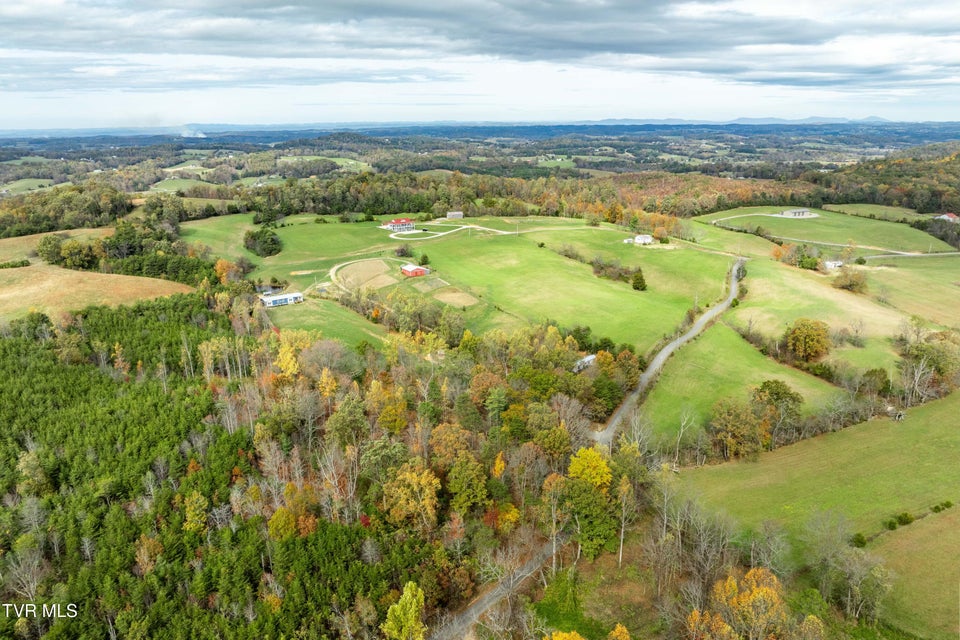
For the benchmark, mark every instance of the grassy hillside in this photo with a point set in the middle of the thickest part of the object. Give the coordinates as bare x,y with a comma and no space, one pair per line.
330,319
779,294
899,282
733,367
41,287
832,228
867,473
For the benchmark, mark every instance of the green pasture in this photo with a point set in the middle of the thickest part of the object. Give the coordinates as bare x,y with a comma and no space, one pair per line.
330,319
720,365
926,591
878,211
717,239
926,286
514,276
188,165
557,162
778,294
266,181
348,164
832,228
224,235
179,184
696,275
866,473
28,160
27,184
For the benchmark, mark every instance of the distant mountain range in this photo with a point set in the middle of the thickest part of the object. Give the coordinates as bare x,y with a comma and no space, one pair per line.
200,130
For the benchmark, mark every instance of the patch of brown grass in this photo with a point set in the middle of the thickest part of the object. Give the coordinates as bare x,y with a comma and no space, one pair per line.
49,289
22,247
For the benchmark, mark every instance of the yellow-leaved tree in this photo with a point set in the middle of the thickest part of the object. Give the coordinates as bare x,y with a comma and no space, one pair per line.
591,465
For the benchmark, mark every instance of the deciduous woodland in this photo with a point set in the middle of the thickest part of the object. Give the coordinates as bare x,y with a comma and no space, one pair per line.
195,467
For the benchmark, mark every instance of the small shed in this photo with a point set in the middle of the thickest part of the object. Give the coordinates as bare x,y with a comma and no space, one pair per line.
281,299
832,264
454,215
644,238
949,217
413,270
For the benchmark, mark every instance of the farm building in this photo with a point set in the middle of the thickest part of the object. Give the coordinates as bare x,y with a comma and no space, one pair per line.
832,264
401,224
949,217
454,215
644,238
797,213
413,270
281,299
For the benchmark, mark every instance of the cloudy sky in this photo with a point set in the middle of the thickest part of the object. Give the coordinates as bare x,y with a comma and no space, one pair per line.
83,63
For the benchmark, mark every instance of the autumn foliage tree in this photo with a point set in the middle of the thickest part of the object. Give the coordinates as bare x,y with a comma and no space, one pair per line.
749,608
808,339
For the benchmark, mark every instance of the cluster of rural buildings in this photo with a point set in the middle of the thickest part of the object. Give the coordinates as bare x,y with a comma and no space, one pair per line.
643,238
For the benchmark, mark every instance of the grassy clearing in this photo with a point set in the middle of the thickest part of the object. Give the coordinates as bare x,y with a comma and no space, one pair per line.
926,594
260,181
561,163
879,211
718,365
28,159
330,319
25,246
27,184
49,289
348,164
497,270
517,279
179,184
224,235
188,165
779,294
741,244
867,473
831,227
899,280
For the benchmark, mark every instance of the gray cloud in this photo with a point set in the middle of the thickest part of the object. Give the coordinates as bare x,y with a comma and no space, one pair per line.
87,44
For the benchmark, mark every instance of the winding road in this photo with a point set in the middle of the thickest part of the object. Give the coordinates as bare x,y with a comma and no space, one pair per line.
459,625
605,437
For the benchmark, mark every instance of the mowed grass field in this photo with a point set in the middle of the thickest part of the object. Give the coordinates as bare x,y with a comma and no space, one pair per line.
349,164
832,228
27,184
879,211
178,184
867,473
925,600
717,239
720,365
51,290
514,281
513,275
330,319
928,287
778,295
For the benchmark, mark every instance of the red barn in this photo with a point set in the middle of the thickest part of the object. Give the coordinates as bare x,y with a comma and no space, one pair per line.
412,270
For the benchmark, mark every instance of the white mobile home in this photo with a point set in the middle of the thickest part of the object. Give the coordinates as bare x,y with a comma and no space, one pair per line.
281,299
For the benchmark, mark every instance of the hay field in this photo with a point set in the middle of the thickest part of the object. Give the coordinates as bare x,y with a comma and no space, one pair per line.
51,290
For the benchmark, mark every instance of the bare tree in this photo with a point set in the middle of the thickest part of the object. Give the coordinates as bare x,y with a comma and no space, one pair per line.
25,573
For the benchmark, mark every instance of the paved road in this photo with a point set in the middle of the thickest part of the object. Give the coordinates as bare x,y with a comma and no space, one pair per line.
605,437
458,626
913,255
